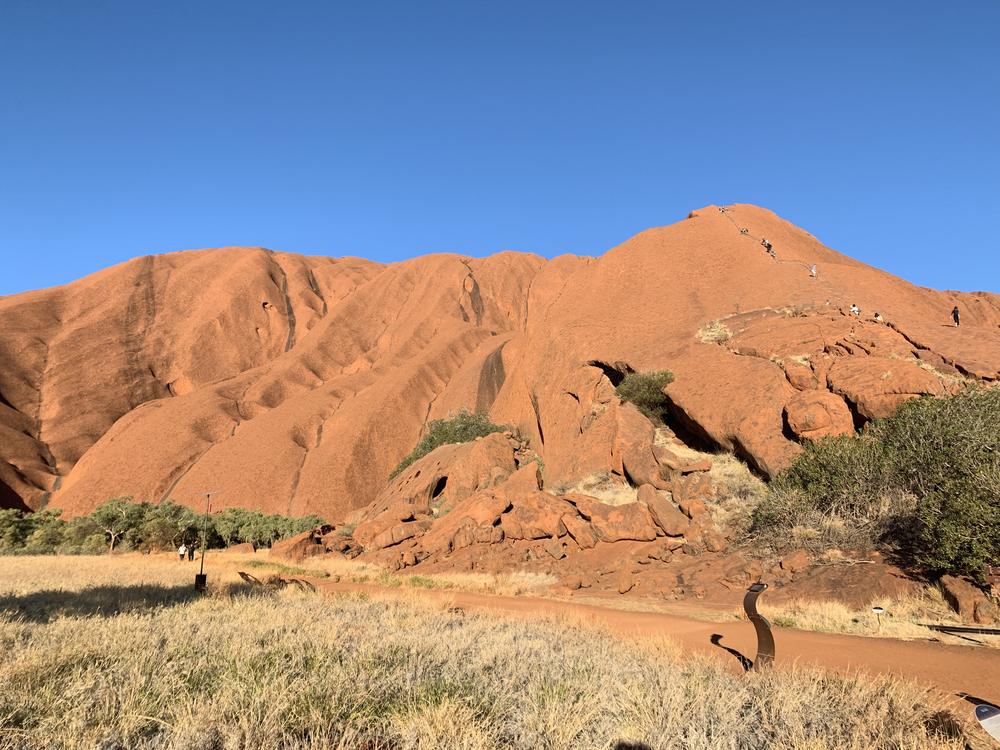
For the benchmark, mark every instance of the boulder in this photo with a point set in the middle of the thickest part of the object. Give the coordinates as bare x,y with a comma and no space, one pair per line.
813,415
667,458
704,464
476,517
663,511
367,530
535,515
693,508
526,479
877,386
800,376
614,523
625,581
399,533
299,547
634,446
968,601
581,530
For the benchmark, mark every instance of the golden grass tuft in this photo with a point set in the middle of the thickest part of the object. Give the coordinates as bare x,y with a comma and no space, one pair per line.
239,669
715,332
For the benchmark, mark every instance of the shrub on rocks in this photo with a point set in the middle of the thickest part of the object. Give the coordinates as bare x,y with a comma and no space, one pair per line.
924,482
645,390
460,428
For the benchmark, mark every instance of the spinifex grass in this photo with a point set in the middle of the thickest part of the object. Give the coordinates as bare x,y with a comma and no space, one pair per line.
292,670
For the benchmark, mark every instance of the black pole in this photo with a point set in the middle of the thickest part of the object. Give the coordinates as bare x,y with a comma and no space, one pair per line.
201,580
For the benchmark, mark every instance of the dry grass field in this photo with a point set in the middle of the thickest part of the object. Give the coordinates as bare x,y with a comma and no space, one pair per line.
117,652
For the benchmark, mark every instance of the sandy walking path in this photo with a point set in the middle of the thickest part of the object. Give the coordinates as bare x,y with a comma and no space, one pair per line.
952,669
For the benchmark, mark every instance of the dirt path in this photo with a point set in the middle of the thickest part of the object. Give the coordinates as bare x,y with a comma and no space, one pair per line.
953,669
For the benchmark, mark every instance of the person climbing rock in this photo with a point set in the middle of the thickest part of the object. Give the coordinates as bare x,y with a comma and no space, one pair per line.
878,318
955,316
812,270
767,246
855,310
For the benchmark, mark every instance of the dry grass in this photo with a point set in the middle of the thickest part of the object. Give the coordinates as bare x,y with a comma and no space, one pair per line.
903,618
291,670
738,492
715,332
600,486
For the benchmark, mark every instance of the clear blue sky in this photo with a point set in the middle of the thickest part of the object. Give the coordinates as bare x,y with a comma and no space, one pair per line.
387,130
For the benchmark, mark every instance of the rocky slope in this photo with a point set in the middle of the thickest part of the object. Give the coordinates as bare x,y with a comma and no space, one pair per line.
295,384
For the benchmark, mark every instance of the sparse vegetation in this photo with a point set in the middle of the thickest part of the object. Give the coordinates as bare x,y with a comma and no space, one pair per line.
903,617
123,524
715,332
141,662
924,483
645,390
459,428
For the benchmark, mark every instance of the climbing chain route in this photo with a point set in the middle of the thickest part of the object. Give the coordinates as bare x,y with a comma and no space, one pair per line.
811,268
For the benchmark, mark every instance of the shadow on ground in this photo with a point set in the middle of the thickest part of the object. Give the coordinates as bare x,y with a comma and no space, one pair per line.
745,662
96,601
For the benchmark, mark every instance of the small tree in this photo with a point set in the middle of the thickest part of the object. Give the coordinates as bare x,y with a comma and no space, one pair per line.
117,516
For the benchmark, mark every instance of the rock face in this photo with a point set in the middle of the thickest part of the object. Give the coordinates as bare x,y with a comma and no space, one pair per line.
295,384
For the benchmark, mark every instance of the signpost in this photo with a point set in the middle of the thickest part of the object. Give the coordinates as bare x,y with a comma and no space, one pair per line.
200,579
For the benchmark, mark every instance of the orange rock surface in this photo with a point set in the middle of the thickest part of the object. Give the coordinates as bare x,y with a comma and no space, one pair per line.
295,384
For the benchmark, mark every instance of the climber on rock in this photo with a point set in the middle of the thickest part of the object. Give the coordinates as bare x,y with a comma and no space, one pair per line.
955,316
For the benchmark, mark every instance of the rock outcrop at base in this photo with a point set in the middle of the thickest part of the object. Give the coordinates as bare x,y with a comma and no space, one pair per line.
296,384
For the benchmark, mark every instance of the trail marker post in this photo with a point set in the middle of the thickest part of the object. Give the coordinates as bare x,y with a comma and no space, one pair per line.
200,579
878,613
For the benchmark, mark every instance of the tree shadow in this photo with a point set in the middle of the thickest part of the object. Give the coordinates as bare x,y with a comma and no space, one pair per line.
96,601
746,663
623,745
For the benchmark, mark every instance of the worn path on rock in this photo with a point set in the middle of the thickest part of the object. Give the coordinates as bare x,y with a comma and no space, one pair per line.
952,669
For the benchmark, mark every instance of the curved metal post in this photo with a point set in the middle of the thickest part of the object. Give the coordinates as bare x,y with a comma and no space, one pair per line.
765,640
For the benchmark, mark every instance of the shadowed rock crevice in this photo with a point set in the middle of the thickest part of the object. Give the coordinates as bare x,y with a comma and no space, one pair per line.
491,379
282,283
614,372
10,499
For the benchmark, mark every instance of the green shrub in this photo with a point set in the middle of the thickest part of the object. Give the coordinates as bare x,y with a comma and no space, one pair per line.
123,524
924,482
645,390
460,428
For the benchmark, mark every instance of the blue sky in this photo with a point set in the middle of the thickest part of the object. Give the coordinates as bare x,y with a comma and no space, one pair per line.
387,130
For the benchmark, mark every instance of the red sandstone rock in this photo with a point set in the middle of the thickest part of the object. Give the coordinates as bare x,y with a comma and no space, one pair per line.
581,530
625,581
613,523
663,511
295,384
399,533
535,515
693,508
813,415
473,518
878,386
971,604
298,547
795,561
